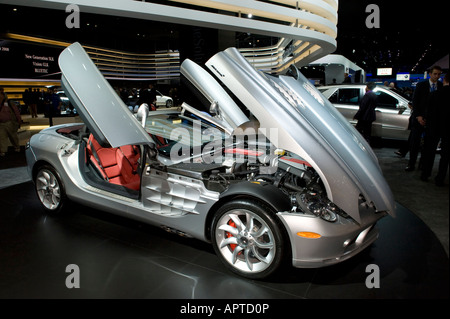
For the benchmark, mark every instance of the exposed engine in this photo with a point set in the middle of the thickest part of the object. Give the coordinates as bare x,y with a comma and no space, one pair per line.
292,175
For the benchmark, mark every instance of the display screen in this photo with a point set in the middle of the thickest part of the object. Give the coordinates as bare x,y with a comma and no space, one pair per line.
403,76
384,71
28,61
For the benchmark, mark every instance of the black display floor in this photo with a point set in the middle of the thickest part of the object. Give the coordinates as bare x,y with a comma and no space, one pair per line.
119,258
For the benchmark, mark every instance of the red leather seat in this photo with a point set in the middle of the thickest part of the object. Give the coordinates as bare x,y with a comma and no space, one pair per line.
116,165
132,153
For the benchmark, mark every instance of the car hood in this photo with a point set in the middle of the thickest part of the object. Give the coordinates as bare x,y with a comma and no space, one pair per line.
297,118
95,100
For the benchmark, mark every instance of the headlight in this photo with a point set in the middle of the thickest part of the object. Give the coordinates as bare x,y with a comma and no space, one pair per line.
328,214
313,203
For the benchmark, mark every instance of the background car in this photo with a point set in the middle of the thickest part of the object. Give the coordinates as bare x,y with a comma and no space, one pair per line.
392,109
163,100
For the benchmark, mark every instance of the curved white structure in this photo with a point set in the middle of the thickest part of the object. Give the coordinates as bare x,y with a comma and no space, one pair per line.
310,28
307,28
131,66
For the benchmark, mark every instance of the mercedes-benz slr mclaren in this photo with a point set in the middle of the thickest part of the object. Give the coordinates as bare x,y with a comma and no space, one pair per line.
268,171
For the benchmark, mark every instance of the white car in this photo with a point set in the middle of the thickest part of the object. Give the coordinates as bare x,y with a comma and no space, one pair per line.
163,100
392,109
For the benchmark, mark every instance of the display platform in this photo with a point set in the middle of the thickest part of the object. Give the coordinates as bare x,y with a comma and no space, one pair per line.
119,258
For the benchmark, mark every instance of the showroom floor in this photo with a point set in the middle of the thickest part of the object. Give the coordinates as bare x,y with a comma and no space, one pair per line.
118,258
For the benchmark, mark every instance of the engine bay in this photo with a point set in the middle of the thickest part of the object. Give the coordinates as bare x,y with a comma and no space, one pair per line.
293,176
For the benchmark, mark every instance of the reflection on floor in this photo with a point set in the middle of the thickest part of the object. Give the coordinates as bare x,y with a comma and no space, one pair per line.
118,258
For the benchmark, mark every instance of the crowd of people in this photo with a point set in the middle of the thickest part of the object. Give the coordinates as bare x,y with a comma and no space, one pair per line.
34,102
43,101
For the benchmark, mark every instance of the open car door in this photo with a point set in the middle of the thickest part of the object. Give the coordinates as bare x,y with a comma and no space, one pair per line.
102,110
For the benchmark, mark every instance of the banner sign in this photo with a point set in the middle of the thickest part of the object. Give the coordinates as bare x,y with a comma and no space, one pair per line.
28,61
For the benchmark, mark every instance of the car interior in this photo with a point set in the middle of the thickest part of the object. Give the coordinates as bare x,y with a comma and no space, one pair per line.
117,165
110,168
118,169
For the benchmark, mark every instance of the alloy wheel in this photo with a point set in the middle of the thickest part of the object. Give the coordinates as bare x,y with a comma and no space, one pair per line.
245,241
48,189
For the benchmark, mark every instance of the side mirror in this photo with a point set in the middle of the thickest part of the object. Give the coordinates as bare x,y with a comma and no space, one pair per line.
214,108
293,71
401,108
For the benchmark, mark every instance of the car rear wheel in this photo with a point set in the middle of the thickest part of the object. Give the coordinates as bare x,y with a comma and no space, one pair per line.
49,189
248,239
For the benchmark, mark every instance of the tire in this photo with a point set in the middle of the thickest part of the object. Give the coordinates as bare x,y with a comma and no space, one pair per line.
248,239
50,190
169,103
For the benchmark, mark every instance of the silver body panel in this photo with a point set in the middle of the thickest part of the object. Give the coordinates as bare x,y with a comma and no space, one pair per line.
95,99
290,112
208,86
392,113
63,154
309,126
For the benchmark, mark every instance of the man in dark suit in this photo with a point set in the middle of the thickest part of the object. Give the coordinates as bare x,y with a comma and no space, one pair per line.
366,113
148,96
420,99
437,129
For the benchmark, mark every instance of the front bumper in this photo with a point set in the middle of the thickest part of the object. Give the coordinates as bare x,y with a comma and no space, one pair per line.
338,241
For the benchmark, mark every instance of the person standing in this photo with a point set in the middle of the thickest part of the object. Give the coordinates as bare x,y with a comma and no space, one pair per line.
34,99
420,100
148,96
437,129
366,114
10,121
56,102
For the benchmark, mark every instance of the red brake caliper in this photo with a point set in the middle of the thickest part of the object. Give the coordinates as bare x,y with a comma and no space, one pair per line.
232,224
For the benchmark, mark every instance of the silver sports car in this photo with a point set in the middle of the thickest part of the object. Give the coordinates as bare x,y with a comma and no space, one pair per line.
269,172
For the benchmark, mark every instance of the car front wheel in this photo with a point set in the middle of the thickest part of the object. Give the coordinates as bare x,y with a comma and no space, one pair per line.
248,239
49,189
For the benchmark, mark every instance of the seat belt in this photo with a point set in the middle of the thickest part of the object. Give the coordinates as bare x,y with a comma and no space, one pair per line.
94,153
132,169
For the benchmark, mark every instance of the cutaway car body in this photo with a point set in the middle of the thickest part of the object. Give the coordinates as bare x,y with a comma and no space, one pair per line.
270,172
